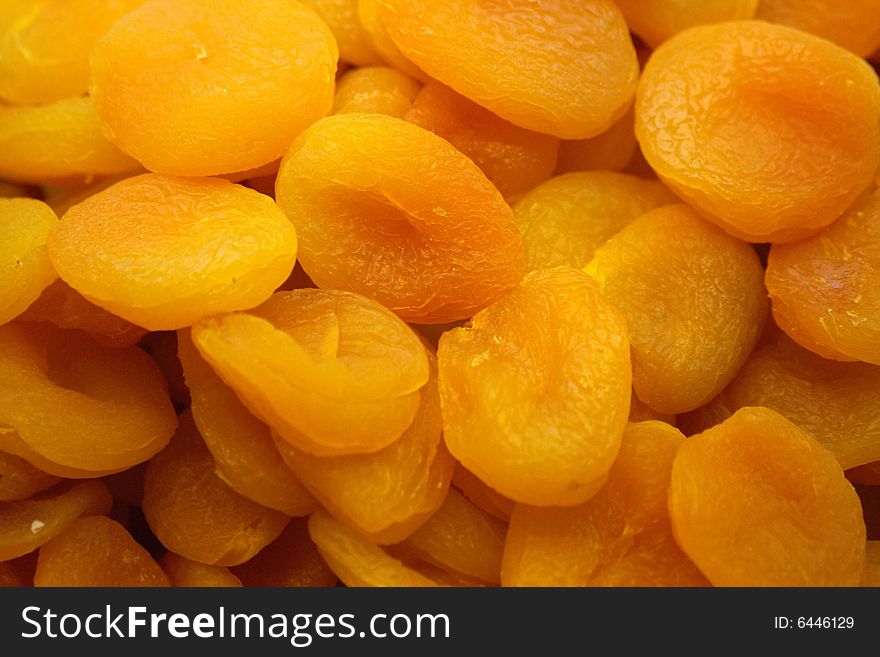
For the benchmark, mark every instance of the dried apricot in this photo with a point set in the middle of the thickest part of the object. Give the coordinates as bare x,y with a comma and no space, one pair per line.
535,392
195,514
61,305
390,210
355,560
387,494
826,289
45,46
203,87
756,501
292,560
332,372
244,453
657,20
374,26
60,142
836,403
133,249
610,150
480,495
185,572
603,537
25,525
767,131
513,158
19,480
694,301
855,25
96,551
462,539
375,90
341,16
498,54
565,219
25,268
116,407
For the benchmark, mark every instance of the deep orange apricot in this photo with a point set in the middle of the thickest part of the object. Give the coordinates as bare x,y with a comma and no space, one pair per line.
19,480
854,25
188,573
375,90
657,20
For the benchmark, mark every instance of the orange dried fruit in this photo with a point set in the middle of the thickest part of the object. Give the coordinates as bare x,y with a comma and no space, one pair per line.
244,453
132,249
480,495
204,87
331,372
357,561
565,219
97,551
767,131
514,159
826,290
538,414
25,525
498,55
854,25
387,209
195,514
19,480
694,301
375,90
657,20
25,268
341,16
116,407
388,494
373,24
291,560
188,573
610,150
756,501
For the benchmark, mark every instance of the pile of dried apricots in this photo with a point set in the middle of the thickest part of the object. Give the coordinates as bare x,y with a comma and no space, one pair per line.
417,293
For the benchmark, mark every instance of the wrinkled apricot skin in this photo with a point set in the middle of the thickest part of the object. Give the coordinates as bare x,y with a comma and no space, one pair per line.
565,219
137,262
767,131
610,150
694,301
116,407
97,551
854,25
371,20
45,46
27,524
355,560
498,54
615,535
244,453
25,268
62,142
514,159
19,480
183,572
331,372
195,514
538,415
756,501
204,87
387,209
387,494
826,290
657,20
375,90
341,16
292,560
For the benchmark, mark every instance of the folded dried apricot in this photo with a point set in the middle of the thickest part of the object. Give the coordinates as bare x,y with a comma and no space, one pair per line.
116,407
565,219
855,25
195,514
499,55
25,268
132,249
768,131
203,87
387,209
19,480
375,90
756,501
331,372
387,494
537,413
186,572
610,150
341,16
96,551
826,289
694,301
371,21
657,20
